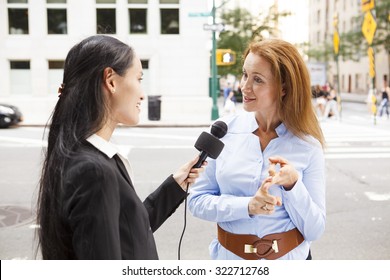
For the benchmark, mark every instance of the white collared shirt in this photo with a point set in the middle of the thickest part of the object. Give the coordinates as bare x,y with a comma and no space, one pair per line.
109,149
222,193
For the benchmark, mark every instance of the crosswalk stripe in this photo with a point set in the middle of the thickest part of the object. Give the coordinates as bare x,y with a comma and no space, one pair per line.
344,141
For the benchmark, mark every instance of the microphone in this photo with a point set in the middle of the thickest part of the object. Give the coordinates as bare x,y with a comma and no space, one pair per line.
209,145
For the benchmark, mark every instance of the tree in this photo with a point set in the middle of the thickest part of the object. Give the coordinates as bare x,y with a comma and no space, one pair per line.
243,27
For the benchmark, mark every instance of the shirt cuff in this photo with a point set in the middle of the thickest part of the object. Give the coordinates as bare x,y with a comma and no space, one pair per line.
238,207
293,195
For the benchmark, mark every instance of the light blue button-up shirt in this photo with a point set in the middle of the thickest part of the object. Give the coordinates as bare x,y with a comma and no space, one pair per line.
223,191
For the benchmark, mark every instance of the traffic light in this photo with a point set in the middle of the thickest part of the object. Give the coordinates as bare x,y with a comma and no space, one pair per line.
371,61
225,57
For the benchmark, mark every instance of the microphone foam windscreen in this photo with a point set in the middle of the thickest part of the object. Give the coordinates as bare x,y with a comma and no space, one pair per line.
210,144
219,129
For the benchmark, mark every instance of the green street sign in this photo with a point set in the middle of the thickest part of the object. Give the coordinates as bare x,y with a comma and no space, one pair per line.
206,14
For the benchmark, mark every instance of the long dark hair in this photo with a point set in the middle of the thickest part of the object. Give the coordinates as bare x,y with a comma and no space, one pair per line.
80,112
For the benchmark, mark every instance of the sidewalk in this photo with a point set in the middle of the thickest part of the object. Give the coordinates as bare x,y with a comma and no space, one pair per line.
189,120
353,97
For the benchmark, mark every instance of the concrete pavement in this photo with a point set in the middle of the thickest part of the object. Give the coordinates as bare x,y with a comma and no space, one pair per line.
169,118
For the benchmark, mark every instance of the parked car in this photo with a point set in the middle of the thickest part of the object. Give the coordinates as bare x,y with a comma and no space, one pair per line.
9,115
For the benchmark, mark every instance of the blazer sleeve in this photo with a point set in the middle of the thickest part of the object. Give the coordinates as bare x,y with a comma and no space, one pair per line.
92,207
163,202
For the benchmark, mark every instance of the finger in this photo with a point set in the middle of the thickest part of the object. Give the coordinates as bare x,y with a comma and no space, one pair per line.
272,169
270,207
276,179
278,201
278,159
199,169
192,162
271,200
268,211
266,184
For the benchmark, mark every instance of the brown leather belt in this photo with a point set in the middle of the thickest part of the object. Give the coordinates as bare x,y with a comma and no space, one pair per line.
251,247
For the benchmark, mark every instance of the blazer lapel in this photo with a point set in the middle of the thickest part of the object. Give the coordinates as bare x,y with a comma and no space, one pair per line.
123,170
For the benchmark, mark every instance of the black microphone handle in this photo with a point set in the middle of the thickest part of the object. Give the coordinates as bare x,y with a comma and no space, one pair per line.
202,157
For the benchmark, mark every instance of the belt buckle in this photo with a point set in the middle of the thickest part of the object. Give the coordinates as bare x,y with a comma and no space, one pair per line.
252,248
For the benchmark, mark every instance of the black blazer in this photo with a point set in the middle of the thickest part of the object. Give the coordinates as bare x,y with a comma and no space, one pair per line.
102,217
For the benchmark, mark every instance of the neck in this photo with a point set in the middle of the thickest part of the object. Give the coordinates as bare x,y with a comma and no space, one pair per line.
267,123
106,131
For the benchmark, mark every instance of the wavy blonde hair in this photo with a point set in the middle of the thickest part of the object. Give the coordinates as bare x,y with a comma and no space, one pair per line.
289,70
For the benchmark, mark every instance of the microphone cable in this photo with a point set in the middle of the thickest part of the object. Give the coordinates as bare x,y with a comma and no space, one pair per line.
185,222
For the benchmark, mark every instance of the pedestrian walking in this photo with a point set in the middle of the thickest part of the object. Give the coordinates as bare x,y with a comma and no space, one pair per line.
384,105
331,106
320,101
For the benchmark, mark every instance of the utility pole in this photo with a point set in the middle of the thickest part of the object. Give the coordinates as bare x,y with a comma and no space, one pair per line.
368,30
336,47
214,70
214,110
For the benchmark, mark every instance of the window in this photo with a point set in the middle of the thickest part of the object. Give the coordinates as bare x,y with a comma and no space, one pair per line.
146,81
137,1
56,72
56,64
357,80
17,1
138,21
56,1
169,21
169,1
18,65
20,77
145,64
18,21
319,16
105,21
56,21
106,17
169,16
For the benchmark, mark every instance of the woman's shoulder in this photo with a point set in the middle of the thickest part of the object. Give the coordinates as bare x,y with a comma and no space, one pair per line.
242,122
87,160
307,143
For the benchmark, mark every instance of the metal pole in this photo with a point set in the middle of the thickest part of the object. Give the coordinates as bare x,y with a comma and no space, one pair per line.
214,110
336,46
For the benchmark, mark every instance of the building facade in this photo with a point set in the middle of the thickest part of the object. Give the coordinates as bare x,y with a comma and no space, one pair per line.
353,75
35,36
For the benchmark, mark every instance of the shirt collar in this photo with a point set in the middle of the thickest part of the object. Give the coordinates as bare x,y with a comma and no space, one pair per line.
102,145
251,119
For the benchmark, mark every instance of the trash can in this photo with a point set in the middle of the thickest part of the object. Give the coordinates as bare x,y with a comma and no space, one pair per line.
154,107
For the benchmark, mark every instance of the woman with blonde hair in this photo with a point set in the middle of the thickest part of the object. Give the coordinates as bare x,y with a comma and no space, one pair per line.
266,191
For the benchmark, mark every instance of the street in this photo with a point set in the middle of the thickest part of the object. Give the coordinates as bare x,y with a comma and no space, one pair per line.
358,181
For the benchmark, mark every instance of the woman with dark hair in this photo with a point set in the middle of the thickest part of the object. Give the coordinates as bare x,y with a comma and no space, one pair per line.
266,190
87,205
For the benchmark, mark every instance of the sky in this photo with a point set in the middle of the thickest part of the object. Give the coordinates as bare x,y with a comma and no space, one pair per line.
294,28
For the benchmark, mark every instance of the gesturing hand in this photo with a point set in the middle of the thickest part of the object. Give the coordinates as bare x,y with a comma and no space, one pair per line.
263,202
287,175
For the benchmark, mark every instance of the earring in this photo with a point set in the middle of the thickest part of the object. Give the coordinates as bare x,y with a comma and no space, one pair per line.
113,90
